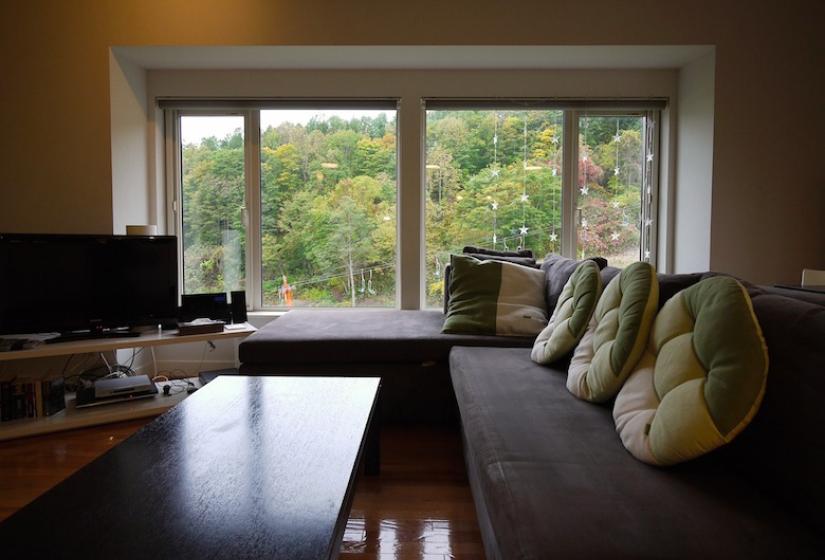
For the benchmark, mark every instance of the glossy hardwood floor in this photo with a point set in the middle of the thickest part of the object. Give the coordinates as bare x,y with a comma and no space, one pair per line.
420,507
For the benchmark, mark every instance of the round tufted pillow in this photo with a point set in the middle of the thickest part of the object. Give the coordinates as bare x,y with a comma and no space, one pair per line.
701,378
571,315
616,335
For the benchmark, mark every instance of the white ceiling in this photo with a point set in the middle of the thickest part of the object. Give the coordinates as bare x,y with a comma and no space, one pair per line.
411,57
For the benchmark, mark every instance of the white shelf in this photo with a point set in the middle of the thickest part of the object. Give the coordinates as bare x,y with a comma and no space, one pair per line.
71,417
105,344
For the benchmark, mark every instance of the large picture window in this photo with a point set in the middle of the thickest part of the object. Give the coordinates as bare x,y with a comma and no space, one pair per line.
297,203
328,208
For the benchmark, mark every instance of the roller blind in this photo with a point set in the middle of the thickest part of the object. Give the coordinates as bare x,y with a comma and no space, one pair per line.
219,103
634,104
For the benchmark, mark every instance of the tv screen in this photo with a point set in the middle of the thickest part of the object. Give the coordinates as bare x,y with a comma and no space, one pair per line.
75,282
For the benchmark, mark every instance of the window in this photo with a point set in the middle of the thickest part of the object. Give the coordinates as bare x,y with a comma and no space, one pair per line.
213,234
497,178
320,187
328,198
612,212
494,180
298,202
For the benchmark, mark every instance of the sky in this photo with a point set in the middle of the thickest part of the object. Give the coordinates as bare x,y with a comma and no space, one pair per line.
194,129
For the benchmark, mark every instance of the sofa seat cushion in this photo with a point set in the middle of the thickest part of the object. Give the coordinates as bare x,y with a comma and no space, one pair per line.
556,481
360,335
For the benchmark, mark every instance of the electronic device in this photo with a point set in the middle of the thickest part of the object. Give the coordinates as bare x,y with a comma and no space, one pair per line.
211,306
87,283
200,326
135,384
237,306
120,389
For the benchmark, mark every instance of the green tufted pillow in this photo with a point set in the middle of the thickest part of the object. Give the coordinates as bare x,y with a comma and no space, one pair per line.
701,378
617,334
569,320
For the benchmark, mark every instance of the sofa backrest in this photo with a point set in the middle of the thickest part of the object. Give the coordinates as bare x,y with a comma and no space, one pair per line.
782,450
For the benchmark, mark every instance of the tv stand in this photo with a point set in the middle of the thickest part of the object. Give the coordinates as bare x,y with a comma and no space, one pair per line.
90,335
73,417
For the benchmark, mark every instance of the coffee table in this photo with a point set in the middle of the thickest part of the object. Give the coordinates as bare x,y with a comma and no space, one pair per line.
247,467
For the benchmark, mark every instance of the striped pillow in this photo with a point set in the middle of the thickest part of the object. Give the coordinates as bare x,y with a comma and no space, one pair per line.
494,297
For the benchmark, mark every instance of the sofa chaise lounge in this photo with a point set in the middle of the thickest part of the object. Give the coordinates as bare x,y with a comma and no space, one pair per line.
548,472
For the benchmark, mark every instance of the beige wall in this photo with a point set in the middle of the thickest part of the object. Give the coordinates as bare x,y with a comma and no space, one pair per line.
768,194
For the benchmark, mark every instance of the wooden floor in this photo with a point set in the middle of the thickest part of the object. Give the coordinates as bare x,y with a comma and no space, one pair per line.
420,507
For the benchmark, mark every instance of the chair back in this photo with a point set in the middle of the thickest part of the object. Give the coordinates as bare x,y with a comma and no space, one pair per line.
811,277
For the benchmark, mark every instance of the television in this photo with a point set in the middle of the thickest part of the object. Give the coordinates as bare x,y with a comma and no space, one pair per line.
94,283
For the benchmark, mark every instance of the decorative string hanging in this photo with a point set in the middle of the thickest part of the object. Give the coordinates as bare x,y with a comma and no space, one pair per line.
524,196
555,140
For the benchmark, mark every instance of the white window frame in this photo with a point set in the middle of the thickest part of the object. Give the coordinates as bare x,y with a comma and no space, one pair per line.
407,166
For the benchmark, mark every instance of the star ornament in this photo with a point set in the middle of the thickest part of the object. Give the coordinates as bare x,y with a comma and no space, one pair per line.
495,172
554,172
525,197
494,206
553,236
616,170
554,139
523,230
649,157
617,138
584,224
584,190
614,236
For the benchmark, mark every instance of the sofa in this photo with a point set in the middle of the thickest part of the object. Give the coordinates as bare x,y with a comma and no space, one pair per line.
548,473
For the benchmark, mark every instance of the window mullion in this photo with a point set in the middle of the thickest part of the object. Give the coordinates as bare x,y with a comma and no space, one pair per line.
570,155
174,210
252,206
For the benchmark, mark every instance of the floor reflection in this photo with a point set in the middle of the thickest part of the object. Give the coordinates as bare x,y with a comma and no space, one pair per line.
420,507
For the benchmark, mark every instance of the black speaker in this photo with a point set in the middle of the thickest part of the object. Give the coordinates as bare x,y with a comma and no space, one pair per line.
238,307
209,306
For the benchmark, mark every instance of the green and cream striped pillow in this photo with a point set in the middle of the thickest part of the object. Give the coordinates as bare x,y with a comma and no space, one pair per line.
494,297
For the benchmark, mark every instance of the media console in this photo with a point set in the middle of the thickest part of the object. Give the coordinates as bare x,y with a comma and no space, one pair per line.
73,417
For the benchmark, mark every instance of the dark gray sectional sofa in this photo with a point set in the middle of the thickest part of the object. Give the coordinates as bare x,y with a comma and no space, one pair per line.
549,475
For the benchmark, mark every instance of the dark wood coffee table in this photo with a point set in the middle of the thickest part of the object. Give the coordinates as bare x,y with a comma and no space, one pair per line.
247,467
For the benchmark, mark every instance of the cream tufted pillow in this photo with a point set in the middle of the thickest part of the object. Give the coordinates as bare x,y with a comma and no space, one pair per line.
616,335
701,378
569,320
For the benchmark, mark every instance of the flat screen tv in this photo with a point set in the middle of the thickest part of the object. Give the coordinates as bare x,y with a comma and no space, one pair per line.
63,283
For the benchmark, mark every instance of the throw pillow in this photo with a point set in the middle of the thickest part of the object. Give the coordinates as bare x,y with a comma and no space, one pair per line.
571,315
616,335
482,251
494,297
701,379
558,270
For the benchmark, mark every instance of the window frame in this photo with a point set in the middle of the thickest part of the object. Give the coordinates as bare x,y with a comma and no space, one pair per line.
252,177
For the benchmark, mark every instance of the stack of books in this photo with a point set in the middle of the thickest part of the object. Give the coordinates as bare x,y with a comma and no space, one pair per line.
27,398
